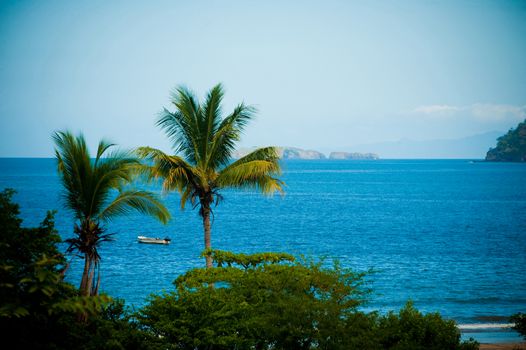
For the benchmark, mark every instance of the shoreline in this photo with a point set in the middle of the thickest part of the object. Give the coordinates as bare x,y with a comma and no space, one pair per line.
494,334
503,346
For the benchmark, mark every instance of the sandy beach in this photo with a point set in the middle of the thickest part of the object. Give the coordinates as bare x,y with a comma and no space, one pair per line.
503,346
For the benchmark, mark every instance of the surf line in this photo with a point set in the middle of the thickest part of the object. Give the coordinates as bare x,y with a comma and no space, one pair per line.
469,326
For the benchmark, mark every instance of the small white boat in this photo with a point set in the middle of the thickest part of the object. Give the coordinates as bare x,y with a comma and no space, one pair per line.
151,240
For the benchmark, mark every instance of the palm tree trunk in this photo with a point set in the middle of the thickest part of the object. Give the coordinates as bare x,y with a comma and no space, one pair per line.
84,289
85,286
91,274
206,225
97,284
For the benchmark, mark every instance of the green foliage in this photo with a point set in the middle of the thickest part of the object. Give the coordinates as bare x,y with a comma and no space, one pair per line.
262,301
203,141
519,321
88,183
31,268
410,329
33,296
112,329
510,147
206,141
89,187
272,301
38,310
222,257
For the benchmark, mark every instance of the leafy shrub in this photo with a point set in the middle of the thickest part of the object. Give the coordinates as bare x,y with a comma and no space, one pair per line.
38,310
32,270
519,321
256,301
271,301
410,329
111,329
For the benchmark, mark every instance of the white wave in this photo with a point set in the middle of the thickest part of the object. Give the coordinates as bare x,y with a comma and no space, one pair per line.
469,326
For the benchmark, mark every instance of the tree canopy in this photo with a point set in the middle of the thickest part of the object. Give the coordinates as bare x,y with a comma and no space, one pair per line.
511,147
274,301
203,141
35,303
97,190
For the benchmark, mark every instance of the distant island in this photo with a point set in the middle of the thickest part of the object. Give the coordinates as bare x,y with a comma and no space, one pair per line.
354,155
298,153
511,147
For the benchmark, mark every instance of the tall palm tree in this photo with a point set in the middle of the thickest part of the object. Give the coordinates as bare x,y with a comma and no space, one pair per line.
203,142
96,191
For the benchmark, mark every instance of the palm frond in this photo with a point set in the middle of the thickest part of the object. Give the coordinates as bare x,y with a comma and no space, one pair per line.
258,170
74,166
101,149
182,131
175,171
188,194
89,236
210,120
182,126
114,172
135,200
264,153
228,133
89,185
212,109
206,141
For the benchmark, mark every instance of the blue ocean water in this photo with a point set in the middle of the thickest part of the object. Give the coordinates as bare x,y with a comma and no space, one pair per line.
448,234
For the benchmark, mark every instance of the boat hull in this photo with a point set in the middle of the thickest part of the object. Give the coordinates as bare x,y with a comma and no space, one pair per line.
148,240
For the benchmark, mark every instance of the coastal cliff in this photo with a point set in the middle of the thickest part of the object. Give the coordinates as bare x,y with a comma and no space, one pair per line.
511,147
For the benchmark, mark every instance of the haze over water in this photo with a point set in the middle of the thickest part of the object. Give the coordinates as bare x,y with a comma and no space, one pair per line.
448,234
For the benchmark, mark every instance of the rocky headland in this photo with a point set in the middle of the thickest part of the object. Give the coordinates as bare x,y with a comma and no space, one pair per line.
511,147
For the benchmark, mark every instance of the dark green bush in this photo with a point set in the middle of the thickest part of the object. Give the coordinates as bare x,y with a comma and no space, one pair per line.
519,321
259,301
111,329
272,302
410,329
38,310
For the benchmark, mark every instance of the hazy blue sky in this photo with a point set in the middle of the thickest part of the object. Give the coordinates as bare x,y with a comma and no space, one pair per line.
323,74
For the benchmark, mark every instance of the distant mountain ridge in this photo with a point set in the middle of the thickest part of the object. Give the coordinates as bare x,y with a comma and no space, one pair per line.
298,153
470,147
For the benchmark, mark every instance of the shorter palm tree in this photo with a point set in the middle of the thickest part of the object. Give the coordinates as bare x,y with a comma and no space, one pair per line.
96,191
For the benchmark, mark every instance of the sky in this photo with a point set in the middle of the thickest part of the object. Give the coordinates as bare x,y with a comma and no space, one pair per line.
326,75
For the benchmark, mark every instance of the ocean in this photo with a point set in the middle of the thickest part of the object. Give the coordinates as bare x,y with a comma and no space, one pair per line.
450,235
